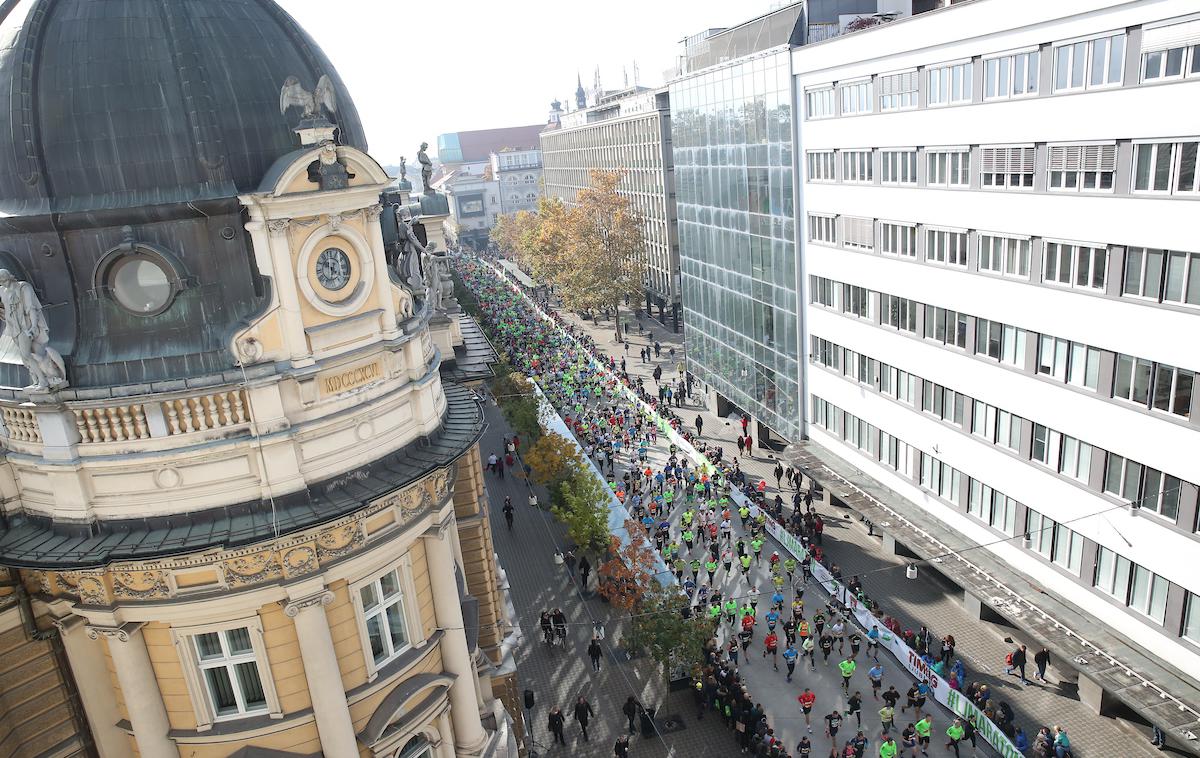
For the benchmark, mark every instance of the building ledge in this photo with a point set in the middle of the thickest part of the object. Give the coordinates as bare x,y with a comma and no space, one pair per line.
1160,692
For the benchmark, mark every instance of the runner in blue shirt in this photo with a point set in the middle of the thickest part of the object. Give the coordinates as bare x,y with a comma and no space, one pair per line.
875,674
789,657
772,619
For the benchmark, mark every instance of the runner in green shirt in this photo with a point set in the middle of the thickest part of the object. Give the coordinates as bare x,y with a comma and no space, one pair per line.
756,545
731,610
923,727
887,717
887,748
847,667
955,733
745,561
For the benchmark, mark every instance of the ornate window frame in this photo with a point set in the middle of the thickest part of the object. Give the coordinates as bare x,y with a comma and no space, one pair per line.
412,612
185,647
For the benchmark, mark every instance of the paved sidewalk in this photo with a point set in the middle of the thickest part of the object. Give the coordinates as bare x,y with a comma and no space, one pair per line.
559,675
925,601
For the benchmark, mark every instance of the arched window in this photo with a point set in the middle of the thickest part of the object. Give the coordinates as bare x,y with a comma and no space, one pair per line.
417,747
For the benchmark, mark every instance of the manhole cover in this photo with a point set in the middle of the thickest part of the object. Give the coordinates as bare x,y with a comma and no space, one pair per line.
670,723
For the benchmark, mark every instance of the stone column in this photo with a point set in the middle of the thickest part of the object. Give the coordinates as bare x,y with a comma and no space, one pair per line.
139,687
322,673
94,686
469,736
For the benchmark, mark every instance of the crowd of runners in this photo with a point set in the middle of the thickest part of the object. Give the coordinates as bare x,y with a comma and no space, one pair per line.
716,547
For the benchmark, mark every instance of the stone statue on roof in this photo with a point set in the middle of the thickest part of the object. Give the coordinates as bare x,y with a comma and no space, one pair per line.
403,168
426,168
25,325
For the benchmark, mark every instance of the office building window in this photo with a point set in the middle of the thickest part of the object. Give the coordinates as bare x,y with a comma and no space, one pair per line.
898,239
1112,574
1040,531
898,91
819,103
946,247
1000,341
1070,362
228,666
822,228
856,97
944,403
1191,618
858,233
1148,593
896,454
1170,63
995,425
1166,167
1042,444
950,84
948,167
1076,266
946,326
1165,388
856,166
1082,168
898,384
1075,458
821,166
1090,63
898,166
1010,167
1168,276
1008,256
940,478
1141,485
823,291
1068,549
856,301
1013,75
996,508
898,312
826,353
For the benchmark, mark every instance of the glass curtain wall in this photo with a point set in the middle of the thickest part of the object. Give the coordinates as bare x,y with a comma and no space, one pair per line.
731,131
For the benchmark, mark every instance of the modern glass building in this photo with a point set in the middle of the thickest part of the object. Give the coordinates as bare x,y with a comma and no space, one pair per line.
731,126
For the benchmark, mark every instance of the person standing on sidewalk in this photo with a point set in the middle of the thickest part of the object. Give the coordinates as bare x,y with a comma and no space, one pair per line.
583,712
699,425
1041,659
621,747
555,724
630,709
570,560
585,570
508,512
594,653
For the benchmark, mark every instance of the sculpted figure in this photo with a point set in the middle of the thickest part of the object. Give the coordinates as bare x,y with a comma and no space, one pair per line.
25,325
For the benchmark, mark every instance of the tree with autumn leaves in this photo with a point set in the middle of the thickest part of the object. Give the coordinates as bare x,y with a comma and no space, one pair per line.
593,252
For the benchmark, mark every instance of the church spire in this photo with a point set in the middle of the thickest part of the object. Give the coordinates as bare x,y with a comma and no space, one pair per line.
580,95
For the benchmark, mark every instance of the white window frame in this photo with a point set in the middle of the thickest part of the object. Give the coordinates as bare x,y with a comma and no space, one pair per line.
1012,341
857,233
1190,629
951,248
408,605
822,165
824,95
901,99
855,164
899,238
1067,550
857,92
1001,69
1081,167
1088,43
1078,263
820,225
184,640
1011,253
1074,458
1165,37
947,174
953,95
1026,158
898,165
1187,275
1176,168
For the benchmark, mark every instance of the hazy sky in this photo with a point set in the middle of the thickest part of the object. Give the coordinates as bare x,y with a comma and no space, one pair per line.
417,70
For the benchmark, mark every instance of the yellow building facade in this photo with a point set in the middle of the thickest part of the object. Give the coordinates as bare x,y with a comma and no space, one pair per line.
250,519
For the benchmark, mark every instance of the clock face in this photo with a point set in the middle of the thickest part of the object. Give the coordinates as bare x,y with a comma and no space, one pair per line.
333,269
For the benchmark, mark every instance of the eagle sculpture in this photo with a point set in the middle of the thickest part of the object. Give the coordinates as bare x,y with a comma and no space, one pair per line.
323,97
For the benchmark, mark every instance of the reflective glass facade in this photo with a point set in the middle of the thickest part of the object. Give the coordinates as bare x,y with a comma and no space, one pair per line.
731,130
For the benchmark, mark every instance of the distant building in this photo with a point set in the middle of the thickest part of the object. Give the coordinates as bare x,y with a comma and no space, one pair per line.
471,182
629,130
519,174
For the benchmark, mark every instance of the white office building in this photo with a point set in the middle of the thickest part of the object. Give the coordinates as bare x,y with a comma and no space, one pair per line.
519,173
1000,233
631,131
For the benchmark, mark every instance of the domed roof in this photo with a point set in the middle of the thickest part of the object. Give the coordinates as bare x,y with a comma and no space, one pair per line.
125,103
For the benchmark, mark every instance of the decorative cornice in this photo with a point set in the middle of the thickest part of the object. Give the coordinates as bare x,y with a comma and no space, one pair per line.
120,633
293,608
373,211
278,225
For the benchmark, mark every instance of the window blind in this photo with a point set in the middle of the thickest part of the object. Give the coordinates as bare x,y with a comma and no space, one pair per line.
1173,35
1006,160
1083,158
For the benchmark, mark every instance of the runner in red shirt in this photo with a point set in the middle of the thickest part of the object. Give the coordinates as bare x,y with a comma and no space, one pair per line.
772,649
807,700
